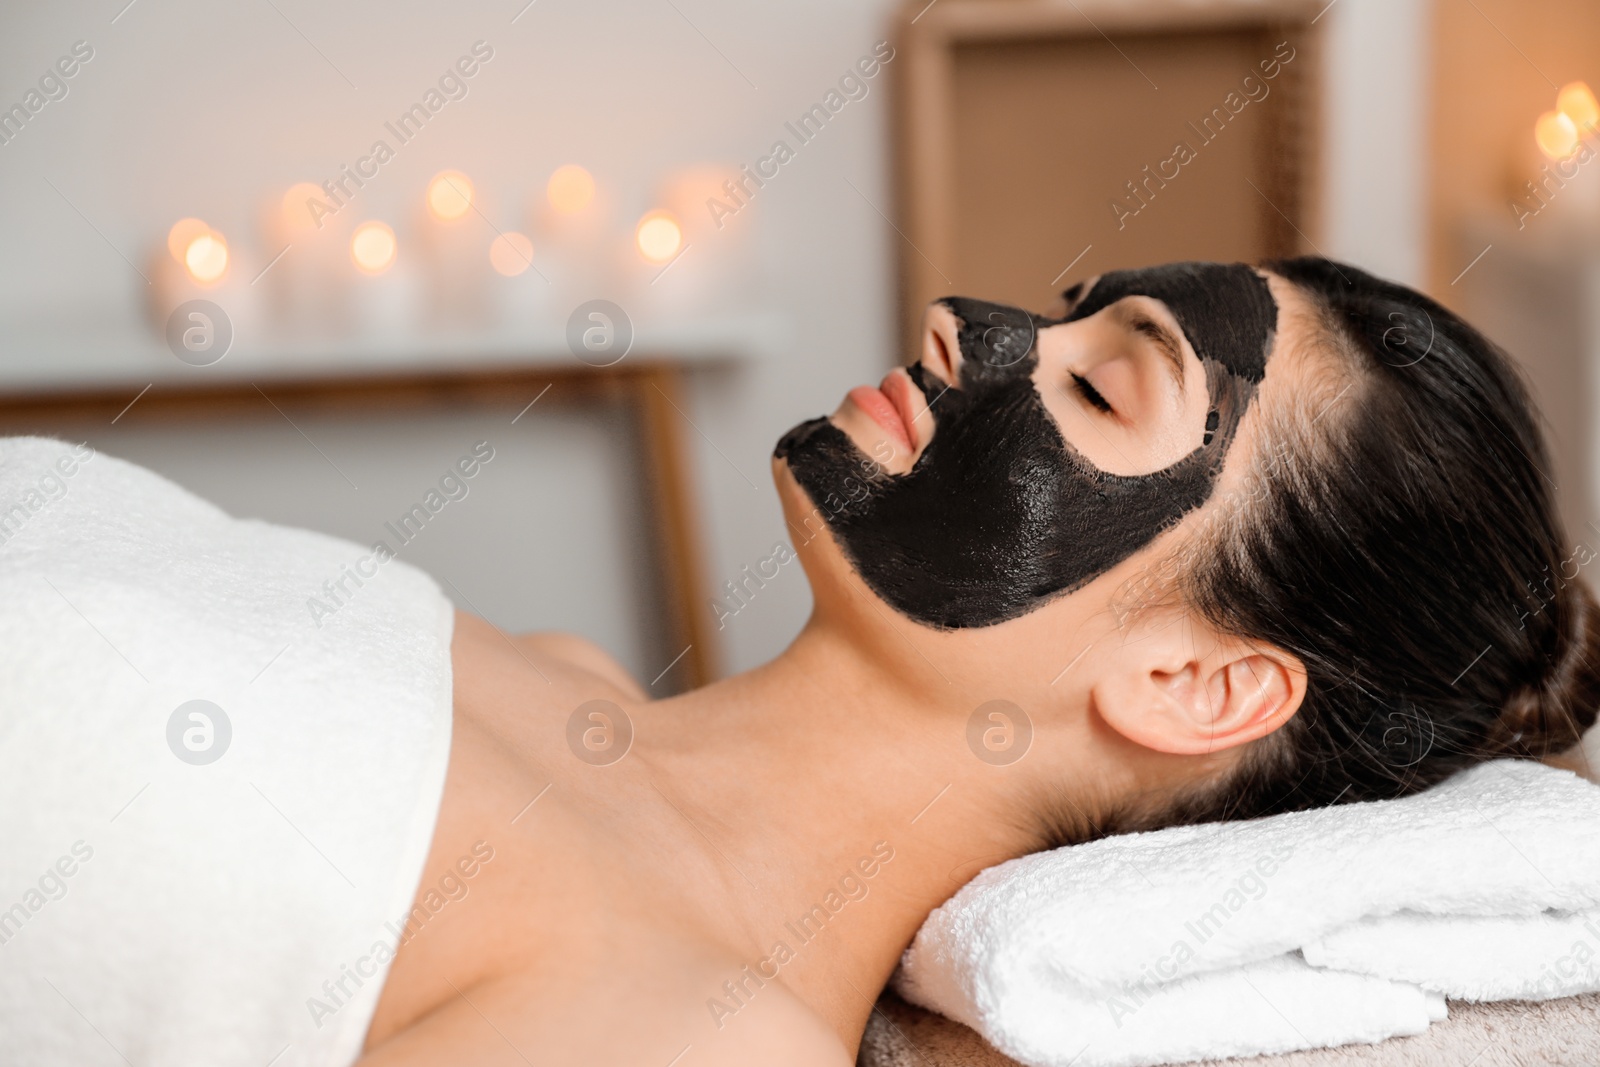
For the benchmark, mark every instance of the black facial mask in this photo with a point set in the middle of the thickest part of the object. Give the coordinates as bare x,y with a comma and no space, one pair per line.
1000,513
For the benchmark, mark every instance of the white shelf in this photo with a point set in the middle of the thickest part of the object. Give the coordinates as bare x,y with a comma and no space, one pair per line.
41,361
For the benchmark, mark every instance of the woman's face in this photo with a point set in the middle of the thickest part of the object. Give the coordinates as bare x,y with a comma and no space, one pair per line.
1023,456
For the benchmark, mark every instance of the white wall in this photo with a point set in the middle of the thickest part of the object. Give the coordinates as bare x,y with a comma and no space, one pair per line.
199,108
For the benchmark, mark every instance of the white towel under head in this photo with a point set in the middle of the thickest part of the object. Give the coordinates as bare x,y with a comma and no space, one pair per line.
1300,930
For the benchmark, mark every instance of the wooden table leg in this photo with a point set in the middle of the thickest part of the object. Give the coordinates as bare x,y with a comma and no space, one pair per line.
665,464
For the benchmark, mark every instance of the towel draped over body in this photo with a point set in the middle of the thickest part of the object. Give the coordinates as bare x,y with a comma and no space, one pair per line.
217,802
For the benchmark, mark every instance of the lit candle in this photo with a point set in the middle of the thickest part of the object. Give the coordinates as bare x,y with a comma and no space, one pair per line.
1577,103
571,189
449,195
1556,135
373,247
206,258
302,207
511,253
1568,185
658,236
182,235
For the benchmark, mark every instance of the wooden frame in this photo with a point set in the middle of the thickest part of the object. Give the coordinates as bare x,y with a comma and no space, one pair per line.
927,35
652,388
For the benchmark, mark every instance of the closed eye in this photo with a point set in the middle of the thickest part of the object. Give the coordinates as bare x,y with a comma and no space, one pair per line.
1090,393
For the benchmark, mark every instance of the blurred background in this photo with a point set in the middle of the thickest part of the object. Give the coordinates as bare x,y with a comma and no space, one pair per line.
302,259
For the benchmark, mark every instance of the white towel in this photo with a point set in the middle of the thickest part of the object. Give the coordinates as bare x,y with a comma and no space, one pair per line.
1472,957
156,908
1300,930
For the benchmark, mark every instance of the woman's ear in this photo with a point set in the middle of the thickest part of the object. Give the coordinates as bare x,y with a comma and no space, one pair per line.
1182,688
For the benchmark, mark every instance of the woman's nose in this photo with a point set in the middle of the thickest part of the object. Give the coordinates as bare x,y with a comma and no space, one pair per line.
941,343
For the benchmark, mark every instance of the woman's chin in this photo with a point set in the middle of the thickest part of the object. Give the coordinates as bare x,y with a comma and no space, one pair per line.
791,494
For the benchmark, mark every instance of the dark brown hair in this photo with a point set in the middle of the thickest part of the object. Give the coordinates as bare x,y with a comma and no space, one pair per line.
1410,557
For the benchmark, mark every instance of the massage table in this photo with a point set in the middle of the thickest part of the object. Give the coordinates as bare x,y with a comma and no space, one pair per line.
1509,1033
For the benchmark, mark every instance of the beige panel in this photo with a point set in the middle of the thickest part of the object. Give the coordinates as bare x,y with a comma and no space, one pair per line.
1496,66
1049,134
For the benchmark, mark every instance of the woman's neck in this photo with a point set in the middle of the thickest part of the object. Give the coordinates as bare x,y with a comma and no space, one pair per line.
836,785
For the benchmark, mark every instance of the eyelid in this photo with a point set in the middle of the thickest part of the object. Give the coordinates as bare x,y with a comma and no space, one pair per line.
1092,395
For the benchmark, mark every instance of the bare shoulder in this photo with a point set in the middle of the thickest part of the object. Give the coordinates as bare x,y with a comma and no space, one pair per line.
550,653
580,653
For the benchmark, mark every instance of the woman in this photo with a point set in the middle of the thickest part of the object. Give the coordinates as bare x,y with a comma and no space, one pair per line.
1227,542
1211,542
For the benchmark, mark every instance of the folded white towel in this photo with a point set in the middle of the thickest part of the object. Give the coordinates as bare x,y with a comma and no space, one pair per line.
1471,957
1187,943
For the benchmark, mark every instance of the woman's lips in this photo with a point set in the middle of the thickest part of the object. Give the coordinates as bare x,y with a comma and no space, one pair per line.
889,407
906,398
